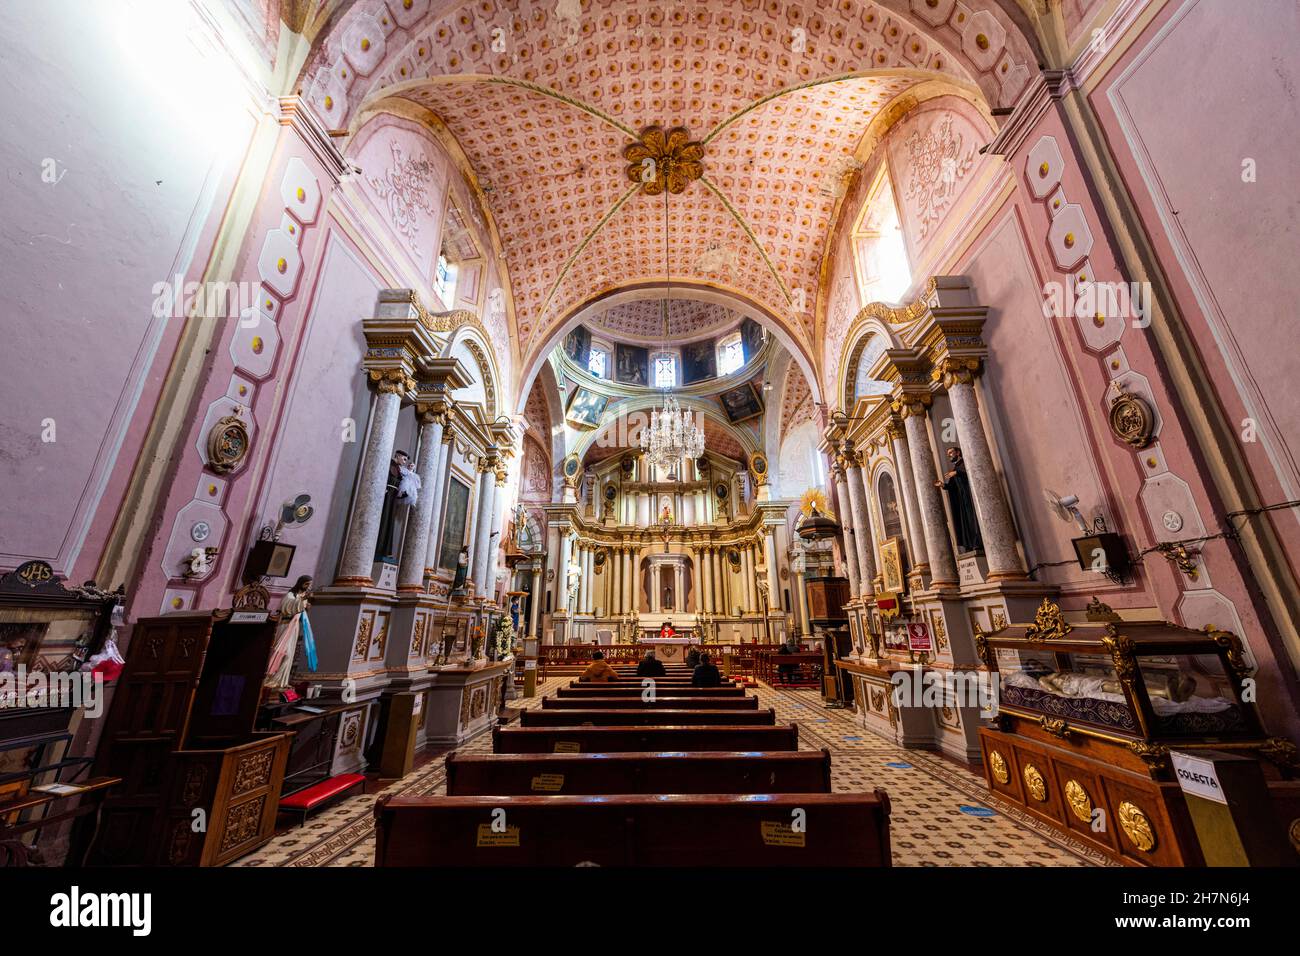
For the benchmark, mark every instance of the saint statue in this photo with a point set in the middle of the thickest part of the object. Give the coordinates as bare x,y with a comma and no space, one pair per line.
965,523
293,625
403,488
462,569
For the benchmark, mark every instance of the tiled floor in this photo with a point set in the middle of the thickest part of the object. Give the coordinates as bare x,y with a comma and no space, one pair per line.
941,812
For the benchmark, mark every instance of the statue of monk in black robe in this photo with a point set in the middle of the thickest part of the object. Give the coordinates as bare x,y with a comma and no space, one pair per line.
965,523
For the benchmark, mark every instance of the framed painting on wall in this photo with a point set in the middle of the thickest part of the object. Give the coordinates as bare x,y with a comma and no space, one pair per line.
699,361
577,345
741,403
631,364
453,528
891,566
586,407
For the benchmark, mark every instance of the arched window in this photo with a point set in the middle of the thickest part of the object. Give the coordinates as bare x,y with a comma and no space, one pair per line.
665,370
863,383
879,252
731,354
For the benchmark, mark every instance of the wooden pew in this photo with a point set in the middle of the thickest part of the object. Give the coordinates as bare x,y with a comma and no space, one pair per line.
665,716
634,830
589,691
636,703
624,739
800,771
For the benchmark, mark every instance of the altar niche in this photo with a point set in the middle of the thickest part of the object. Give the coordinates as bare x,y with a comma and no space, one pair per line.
669,577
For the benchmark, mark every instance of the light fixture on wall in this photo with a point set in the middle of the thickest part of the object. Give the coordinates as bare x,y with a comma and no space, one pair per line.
672,434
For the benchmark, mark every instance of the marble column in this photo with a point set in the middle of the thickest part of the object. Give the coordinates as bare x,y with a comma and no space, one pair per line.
561,602
589,572
494,540
415,541
719,578
363,533
482,526
920,557
438,493
934,520
535,611
773,578
996,527
862,532
844,503
615,564
633,582
800,580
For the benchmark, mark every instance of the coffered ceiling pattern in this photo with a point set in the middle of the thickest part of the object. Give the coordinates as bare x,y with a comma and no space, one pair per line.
543,95
643,320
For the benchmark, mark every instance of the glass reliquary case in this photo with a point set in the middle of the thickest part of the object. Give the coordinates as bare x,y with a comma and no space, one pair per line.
1149,685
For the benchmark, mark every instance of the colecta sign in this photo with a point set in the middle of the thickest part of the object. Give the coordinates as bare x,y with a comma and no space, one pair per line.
918,637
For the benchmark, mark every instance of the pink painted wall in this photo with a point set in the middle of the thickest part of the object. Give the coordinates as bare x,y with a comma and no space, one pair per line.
102,201
1226,245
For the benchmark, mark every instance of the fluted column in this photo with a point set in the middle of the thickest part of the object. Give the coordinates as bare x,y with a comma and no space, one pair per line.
535,611
920,556
719,558
943,566
589,572
415,541
862,532
561,602
991,509
633,585
363,533
842,499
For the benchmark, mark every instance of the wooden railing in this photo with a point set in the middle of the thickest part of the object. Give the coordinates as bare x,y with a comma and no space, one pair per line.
737,660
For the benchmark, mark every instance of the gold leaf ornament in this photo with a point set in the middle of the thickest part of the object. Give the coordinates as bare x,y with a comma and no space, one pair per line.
664,160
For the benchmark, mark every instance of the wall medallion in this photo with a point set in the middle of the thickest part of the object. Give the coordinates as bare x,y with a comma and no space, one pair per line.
227,444
758,467
998,767
1079,801
1035,783
1137,827
1131,419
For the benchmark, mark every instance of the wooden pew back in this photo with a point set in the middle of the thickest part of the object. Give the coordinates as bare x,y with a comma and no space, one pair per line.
634,830
660,703
664,716
624,739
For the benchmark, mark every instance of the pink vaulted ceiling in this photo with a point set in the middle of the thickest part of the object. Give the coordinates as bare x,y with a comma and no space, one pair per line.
643,320
543,95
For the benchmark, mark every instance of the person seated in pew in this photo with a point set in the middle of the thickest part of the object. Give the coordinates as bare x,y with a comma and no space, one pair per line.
785,672
706,674
693,658
599,671
650,666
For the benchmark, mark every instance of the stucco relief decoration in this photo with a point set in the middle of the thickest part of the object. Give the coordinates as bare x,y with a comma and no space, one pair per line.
662,160
938,160
404,186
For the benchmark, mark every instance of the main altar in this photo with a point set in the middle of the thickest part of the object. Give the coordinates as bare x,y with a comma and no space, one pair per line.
670,650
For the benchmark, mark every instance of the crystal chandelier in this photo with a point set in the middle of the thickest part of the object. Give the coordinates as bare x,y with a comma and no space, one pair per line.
672,434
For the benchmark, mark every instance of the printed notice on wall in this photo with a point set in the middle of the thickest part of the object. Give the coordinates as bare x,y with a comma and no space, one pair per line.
487,837
567,747
549,782
776,833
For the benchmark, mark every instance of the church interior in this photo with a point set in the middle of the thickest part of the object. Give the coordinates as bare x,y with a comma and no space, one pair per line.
560,433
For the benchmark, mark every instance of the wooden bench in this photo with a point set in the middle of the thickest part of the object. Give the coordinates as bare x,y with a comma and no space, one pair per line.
634,830
636,703
624,739
665,716
307,799
801,771
624,690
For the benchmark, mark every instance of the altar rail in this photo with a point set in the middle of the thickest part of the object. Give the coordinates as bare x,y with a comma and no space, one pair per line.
737,660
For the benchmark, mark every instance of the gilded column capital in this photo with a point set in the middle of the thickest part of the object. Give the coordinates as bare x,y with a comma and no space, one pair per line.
391,380
957,371
909,405
503,473
432,413
487,463
894,428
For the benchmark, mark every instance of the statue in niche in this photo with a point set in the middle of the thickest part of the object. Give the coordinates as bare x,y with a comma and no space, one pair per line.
462,569
403,488
965,523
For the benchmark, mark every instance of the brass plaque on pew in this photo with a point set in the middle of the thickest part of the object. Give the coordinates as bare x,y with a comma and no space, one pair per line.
567,747
487,837
776,833
548,782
